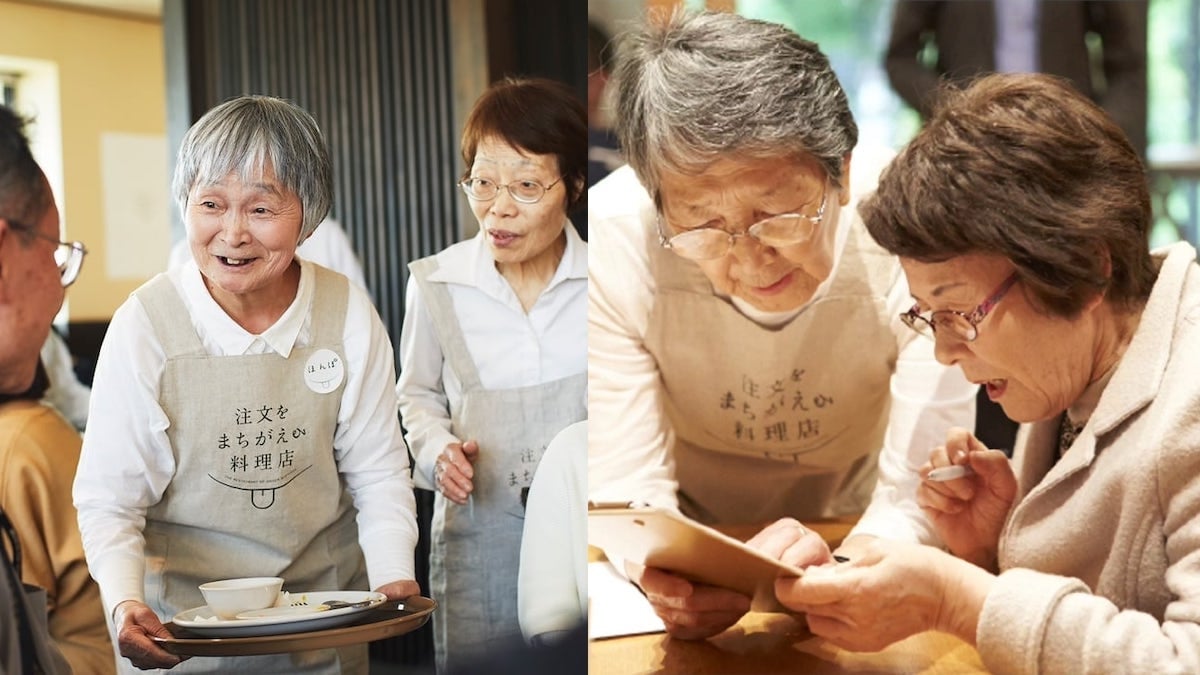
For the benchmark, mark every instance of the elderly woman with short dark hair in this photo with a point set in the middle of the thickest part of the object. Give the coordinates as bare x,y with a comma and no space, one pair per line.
745,362
1020,215
244,414
493,354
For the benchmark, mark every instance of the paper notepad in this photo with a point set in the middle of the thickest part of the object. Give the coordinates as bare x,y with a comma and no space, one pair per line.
617,607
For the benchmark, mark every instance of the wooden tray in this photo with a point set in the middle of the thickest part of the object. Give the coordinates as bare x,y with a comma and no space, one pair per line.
382,622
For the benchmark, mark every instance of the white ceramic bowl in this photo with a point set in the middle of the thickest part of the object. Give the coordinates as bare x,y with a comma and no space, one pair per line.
228,597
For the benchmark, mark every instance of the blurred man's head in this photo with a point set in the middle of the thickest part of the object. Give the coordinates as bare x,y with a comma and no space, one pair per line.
31,283
598,66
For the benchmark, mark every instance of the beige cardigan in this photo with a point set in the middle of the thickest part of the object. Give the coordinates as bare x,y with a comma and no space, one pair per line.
1112,529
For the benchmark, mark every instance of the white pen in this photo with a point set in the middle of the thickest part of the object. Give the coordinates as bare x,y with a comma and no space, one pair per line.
946,473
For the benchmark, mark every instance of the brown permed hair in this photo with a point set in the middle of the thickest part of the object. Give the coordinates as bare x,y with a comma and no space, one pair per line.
1025,167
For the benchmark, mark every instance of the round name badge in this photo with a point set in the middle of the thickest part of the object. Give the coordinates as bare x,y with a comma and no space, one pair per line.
324,371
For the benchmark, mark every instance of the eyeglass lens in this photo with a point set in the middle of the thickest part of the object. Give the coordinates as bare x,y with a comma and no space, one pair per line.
526,191
707,243
945,323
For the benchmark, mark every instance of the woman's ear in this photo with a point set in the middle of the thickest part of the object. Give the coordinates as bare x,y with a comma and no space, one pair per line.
579,187
844,193
1103,254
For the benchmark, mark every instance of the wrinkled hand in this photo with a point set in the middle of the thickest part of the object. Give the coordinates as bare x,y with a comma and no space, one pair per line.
453,472
789,541
399,590
690,611
969,513
890,591
136,623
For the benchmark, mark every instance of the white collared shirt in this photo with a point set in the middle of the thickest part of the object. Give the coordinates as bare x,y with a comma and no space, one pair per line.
630,433
510,348
127,461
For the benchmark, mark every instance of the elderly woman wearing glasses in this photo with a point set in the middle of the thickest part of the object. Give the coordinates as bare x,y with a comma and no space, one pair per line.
1083,556
494,353
244,418
745,360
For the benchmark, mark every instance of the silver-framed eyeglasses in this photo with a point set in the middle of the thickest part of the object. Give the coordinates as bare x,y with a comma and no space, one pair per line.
707,243
68,255
524,191
962,326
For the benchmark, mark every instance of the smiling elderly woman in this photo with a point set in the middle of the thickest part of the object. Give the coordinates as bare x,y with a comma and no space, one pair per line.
1020,216
243,407
745,361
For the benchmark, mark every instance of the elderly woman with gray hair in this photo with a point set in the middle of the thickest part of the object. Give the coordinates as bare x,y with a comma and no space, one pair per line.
746,363
1020,216
243,410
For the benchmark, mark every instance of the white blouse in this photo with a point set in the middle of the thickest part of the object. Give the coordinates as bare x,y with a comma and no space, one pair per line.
510,348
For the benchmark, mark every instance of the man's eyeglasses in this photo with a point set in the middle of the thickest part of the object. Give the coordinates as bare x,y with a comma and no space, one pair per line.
707,243
68,255
524,191
958,325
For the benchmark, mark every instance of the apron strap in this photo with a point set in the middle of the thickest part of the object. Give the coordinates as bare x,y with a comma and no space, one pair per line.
12,577
445,322
332,291
163,306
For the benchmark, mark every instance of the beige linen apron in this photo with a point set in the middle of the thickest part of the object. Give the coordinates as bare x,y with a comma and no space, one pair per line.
476,548
775,421
256,490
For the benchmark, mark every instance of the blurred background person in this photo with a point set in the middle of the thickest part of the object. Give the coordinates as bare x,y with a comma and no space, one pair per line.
552,584
745,359
1048,36
603,153
244,418
1030,272
494,353
39,449
64,392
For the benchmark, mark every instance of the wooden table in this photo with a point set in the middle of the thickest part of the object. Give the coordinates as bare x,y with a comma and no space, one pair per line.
778,643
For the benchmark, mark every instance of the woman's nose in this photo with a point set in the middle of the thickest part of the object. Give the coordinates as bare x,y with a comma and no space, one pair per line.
948,349
749,250
504,204
235,229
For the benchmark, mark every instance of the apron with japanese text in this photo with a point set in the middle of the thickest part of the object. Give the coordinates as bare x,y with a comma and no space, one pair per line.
776,421
476,548
256,490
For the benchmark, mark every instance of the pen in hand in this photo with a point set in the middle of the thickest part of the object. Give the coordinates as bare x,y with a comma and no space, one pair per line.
945,473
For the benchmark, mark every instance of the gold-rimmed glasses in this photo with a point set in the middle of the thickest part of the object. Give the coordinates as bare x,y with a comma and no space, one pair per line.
524,191
959,325
707,243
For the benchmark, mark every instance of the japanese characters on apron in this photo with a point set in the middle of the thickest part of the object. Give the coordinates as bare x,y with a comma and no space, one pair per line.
776,421
475,549
256,490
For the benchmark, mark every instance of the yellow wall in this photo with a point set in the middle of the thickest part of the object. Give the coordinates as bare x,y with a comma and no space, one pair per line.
111,79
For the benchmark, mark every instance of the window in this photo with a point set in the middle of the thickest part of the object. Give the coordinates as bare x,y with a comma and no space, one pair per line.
8,89
854,34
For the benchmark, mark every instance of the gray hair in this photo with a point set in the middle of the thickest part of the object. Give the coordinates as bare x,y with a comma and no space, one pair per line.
244,135
699,86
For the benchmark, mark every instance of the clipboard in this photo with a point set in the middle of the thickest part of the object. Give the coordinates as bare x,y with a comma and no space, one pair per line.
658,537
